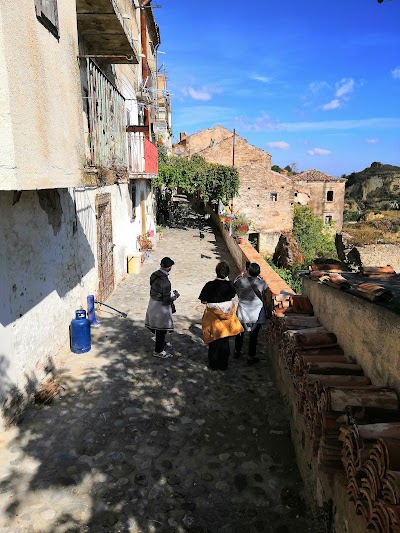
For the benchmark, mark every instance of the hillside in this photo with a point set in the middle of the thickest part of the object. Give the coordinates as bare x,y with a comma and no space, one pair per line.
372,205
376,188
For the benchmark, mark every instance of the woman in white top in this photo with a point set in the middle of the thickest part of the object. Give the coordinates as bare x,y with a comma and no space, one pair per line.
251,313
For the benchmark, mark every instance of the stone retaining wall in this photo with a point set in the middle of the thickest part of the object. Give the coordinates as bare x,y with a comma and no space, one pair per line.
367,332
381,255
245,252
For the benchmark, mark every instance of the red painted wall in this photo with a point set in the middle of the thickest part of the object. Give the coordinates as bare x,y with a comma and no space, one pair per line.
150,157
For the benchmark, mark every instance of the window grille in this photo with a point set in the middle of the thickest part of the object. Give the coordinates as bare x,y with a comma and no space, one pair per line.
328,219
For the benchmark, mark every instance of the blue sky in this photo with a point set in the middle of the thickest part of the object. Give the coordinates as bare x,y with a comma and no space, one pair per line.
313,82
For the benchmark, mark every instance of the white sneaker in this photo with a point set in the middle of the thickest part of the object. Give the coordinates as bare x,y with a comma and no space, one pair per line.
162,355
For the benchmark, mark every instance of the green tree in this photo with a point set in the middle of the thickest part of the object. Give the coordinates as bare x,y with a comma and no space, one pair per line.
211,181
313,238
276,168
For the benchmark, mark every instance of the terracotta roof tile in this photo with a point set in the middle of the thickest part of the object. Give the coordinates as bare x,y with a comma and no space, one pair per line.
315,175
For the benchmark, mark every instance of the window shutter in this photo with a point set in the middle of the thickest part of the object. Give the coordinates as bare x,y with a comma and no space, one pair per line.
47,13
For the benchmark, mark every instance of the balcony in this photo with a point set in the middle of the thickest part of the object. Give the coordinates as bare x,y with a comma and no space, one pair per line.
109,29
142,157
106,120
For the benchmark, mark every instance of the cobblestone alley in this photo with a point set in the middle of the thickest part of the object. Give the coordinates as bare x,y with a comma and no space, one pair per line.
136,444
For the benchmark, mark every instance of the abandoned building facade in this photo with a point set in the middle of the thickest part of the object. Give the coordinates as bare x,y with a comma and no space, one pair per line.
79,99
266,197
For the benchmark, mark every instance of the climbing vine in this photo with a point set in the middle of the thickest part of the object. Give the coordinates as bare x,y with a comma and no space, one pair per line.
210,180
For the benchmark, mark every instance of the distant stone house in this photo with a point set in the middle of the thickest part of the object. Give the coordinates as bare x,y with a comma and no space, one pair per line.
323,193
265,197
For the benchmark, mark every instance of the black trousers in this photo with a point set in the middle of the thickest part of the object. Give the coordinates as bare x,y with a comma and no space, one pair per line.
252,341
160,340
218,354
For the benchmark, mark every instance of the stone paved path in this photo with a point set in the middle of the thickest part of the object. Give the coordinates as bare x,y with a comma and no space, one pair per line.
141,445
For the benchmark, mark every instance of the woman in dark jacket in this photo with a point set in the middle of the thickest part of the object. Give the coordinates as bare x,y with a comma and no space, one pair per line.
219,320
159,310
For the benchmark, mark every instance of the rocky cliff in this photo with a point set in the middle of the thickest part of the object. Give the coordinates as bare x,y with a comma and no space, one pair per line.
376,188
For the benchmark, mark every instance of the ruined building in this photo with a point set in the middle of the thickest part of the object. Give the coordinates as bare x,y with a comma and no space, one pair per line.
266,197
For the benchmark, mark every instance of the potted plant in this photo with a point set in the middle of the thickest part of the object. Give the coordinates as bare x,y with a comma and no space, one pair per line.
240,225
159,232
145,243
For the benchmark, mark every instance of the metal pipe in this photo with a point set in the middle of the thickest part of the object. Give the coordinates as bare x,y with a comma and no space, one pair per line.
113,308
145,65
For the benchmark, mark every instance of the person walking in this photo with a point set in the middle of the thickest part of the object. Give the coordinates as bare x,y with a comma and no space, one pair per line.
161,306
219,320
250,289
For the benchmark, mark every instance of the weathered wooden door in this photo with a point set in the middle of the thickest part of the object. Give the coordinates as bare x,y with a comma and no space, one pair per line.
105,245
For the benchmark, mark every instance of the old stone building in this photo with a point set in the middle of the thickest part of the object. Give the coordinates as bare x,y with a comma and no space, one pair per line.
323,193
266,197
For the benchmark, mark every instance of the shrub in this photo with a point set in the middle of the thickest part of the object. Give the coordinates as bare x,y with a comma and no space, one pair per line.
351,216
312,236
288,276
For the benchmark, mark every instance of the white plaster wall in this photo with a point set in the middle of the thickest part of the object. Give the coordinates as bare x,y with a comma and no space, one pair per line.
7,154
50,270
48,266
40,104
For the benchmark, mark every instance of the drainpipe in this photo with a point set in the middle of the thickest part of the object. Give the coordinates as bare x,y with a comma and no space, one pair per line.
145,65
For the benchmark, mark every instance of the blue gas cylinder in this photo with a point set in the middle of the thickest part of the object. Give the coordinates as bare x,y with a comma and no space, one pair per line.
80,333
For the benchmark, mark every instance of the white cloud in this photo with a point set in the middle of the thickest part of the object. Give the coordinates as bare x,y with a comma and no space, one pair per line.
257,77
266,123
199,94
262,123
344,87
318,86
203,94
334,104
396,73
318,151
372,141
280,145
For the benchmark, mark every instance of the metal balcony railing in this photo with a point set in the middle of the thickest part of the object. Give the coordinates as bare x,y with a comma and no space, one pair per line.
106,120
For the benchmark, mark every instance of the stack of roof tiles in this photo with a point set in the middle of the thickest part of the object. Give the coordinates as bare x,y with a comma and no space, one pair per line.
330,273
332,392
371,459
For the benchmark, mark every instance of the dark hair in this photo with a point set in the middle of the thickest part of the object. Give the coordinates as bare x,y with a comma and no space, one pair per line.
222,269
254,270
166,262
247,265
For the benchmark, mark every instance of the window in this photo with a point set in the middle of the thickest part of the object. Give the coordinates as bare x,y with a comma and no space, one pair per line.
273,196
328,219
329,196
47,13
